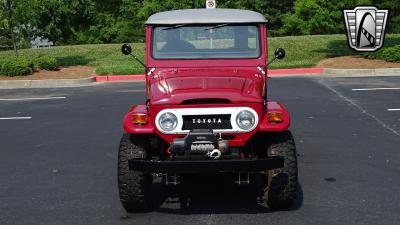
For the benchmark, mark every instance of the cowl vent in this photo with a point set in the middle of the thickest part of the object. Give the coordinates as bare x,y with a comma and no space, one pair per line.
202,101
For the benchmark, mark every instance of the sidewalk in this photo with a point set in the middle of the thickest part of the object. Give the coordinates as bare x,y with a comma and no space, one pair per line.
303,72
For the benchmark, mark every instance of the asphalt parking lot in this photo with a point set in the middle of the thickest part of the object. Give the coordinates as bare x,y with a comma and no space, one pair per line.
58,158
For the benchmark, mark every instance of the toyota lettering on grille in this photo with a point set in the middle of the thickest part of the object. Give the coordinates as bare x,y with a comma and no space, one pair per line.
214,121
204,120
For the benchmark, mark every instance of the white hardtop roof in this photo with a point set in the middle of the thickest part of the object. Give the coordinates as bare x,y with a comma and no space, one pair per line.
205,16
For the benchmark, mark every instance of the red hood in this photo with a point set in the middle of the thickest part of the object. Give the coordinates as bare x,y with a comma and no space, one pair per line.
174,86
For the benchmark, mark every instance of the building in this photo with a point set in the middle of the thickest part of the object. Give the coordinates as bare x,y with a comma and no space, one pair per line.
40,42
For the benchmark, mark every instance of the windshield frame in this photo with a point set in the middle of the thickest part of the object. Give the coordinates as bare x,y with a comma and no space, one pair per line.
257,25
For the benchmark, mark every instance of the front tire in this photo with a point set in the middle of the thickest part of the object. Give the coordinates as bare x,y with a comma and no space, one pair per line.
134,186
281,191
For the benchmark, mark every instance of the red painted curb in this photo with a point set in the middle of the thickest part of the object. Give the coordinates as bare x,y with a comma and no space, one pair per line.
125,77
296,71
101,78
119,78
277,72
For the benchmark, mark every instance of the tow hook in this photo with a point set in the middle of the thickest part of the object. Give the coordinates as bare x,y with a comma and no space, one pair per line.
215,154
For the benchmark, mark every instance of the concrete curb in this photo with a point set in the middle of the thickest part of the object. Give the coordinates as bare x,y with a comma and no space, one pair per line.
362,72
13,84
299,72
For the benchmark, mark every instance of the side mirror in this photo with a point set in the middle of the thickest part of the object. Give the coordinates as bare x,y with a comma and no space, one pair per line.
126,49
280,53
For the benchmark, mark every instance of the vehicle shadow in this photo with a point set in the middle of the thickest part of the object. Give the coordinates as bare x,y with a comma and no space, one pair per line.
216,194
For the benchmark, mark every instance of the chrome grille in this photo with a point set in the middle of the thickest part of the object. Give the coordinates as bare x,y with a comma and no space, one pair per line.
214,122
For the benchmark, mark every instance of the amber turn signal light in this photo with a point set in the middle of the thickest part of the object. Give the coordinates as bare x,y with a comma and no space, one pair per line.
139,119
275,117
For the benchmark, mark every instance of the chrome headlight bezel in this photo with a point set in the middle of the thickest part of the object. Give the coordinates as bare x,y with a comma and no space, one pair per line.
181,112
163,119
246,120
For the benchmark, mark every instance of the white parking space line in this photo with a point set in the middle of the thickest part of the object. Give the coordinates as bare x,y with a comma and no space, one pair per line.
28,99
131,91
375,89
393,109
15,118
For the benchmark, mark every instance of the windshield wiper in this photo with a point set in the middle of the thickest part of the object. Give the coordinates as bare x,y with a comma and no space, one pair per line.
174,27
182,25
216,26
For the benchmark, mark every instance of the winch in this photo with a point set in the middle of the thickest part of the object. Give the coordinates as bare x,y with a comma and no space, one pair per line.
200,142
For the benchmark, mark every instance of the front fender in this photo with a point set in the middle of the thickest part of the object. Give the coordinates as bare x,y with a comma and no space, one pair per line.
131,128
269,127
264,125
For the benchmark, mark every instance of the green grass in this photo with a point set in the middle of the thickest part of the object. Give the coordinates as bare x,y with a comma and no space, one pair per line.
302,51
106,58
307,51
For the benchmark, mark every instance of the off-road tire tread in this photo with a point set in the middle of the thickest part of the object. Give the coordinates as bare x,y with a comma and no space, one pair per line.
282,183
134,186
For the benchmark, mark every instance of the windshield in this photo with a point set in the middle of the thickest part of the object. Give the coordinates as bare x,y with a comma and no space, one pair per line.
218,41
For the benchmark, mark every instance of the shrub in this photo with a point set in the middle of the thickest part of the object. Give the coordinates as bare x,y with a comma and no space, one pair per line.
16,67
46,63
390,54
19,66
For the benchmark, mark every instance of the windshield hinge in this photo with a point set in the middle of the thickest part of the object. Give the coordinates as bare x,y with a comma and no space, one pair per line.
261,70
151,71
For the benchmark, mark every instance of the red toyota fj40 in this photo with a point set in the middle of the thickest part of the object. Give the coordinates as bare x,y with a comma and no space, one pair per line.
207,109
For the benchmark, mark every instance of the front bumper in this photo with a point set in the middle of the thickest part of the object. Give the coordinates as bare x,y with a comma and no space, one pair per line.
203,166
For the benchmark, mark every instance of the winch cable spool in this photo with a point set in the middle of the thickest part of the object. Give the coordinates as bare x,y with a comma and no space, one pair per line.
202,147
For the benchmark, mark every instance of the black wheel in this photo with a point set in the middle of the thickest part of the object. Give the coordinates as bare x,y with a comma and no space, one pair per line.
281,189
134,186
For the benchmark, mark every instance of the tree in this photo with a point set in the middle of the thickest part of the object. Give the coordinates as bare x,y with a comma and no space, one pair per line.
393,22
7,26
318,16
274,11
57,20
3,25
109,21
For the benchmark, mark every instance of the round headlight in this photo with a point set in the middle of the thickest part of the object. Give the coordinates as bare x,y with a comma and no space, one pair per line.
167,121
245,120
